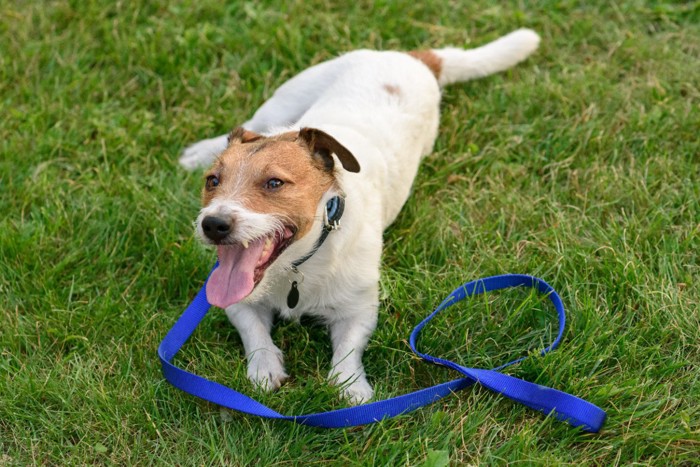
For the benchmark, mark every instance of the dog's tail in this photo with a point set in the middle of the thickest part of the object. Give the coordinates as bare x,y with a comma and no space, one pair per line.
452,65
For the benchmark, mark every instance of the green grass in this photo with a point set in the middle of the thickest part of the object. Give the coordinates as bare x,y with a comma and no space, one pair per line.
581,166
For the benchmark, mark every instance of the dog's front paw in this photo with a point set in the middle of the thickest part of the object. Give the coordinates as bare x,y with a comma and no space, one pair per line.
202,153
358,392
266,369
355,389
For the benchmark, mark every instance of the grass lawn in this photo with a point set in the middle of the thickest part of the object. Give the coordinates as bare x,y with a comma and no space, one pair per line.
580,166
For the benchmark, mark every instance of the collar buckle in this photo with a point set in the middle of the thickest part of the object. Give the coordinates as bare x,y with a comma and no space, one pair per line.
333,213
331,221
330,225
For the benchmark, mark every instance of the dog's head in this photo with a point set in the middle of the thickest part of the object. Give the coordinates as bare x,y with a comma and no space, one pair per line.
261,196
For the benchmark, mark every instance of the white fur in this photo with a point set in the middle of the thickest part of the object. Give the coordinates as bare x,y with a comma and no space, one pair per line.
496,56
203,153
250,225
388,133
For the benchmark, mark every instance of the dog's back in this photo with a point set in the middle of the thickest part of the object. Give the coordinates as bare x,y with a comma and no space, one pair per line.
294,98
384,106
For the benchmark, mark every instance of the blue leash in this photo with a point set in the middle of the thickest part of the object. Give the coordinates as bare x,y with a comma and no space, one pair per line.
561,405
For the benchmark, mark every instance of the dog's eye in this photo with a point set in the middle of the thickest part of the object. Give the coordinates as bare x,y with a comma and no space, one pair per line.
212,182
273,184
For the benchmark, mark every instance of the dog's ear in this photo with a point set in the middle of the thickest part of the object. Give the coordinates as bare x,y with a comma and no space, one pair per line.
241,135
323,145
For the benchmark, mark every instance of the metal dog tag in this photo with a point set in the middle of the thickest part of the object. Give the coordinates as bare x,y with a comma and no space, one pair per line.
293,296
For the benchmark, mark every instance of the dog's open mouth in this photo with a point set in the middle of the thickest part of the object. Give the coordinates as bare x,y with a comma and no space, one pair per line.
243,265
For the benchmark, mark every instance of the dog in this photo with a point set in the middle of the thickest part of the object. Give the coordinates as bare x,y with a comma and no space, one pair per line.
298,197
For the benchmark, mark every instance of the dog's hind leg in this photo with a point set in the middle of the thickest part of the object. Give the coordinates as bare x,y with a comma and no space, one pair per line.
291,100
203,153
281,111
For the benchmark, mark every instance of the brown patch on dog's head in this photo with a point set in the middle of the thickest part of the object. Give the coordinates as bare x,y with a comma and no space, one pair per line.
322,145
242,135
284,175
429,59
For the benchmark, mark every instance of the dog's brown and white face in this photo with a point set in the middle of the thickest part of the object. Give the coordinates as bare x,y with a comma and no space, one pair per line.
260,196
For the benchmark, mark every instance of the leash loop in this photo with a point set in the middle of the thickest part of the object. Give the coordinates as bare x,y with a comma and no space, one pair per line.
561,405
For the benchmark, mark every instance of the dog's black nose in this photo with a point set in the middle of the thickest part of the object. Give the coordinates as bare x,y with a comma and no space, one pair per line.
215,228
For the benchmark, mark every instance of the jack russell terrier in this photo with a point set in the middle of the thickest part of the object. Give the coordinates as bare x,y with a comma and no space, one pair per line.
338,144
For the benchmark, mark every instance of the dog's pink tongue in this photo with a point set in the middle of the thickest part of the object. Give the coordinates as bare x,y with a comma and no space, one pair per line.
234,279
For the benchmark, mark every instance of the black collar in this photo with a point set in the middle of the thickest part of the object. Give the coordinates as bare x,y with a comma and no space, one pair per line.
331,221
334,211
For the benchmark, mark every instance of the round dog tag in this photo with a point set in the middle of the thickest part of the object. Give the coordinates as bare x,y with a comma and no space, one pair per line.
293,296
